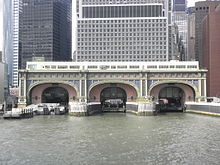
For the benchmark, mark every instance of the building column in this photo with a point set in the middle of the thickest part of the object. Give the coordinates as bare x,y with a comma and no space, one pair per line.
25,87
22,96
19,89
86,93
146,88
80,90
205,92
141,92
200,89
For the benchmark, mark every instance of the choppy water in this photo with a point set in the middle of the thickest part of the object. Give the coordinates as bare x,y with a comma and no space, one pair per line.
111,138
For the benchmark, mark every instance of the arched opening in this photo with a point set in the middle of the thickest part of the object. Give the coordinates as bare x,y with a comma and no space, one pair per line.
113,99
36,95
171,98
55,95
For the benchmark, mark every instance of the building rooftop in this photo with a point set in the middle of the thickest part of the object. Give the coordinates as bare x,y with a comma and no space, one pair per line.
171,65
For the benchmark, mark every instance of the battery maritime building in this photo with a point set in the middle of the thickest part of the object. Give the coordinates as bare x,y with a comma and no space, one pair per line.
122,30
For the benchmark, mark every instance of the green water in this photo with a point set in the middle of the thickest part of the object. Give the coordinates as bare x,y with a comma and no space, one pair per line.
111,138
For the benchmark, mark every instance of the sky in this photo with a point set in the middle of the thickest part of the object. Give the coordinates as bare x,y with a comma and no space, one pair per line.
1,22
190,3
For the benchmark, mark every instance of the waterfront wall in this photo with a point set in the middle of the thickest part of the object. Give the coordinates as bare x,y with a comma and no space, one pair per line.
87,109
203,107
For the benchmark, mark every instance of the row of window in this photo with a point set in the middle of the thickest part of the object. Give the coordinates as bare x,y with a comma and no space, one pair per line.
133,52
128,35
138,31
147,25
121,45
99,2
123,21
122,11
104,39
124,57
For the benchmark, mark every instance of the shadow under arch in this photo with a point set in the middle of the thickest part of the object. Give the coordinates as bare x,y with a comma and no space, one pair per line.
55,94
188,89
113,93
34,93
95,90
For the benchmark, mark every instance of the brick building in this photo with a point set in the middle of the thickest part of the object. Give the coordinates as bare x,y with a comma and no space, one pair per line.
202,9
211,51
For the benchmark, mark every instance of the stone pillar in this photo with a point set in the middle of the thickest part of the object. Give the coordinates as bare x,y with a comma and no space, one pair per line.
78,109
146,109
80,90
25,87
141,92
19,89
205,92
200,89
22,96
86,93
146,88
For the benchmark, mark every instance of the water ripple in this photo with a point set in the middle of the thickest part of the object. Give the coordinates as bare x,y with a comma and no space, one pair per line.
111,139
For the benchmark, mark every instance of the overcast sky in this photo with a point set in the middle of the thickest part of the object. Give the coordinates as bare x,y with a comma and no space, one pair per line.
1,19
190,3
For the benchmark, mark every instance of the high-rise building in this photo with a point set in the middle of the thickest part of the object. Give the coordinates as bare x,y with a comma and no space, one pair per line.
44,30
211,50
15,58
1,57
179,5
7,53
122,30
175,44
191,34
4,90
180,18
11,38
202,9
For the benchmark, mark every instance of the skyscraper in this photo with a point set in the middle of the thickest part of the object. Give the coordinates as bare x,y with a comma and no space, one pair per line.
211,50
180,18
3,82
202,9
7,52
44,30
191,34
122,30
15,57
1,59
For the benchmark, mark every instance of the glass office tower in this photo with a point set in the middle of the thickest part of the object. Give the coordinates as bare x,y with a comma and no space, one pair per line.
180,19
44,30
7,53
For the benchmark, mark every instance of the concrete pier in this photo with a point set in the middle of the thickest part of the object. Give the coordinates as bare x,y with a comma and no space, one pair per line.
205,108
87,109
78,109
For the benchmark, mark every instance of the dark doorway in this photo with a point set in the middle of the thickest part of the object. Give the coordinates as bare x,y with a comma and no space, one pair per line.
171,99
55,95
113,99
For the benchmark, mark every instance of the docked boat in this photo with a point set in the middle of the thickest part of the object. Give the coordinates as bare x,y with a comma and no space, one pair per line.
18,113
113,105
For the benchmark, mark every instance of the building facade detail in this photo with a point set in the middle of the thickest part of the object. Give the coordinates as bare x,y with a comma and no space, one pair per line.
84,84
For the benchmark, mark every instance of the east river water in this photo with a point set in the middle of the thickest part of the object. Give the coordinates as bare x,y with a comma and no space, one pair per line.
112,139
